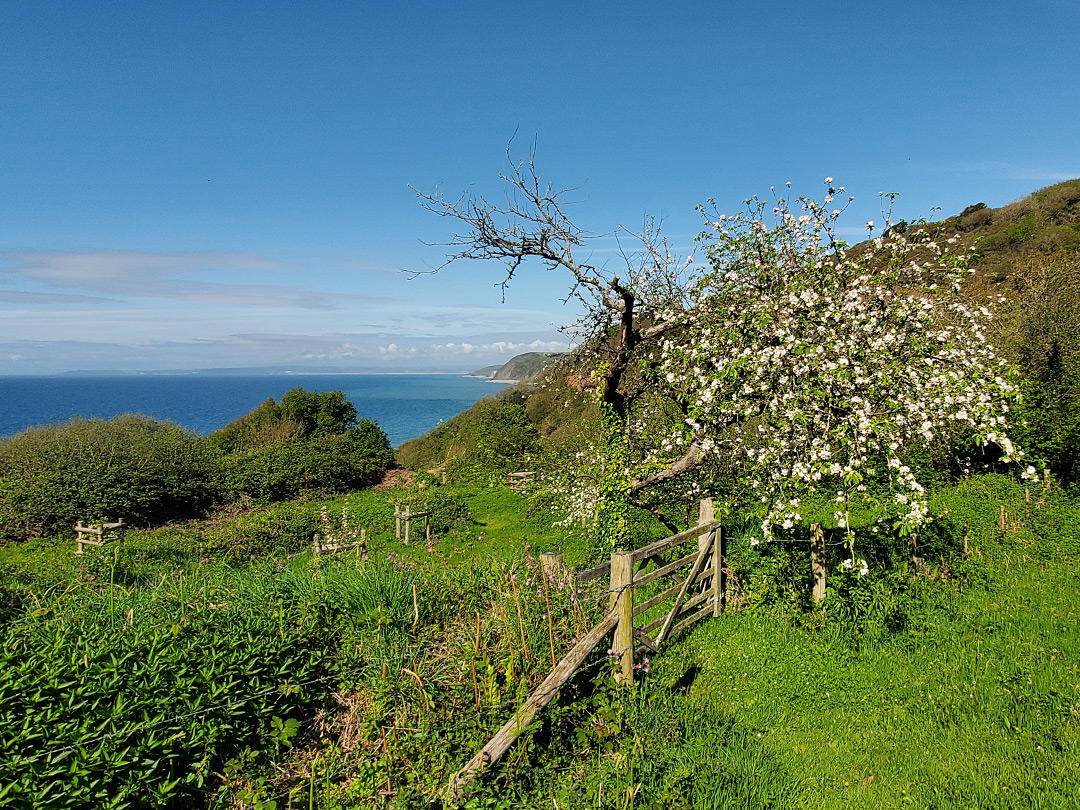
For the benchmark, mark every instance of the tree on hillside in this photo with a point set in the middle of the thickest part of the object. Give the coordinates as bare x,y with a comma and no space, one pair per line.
810,363
301,414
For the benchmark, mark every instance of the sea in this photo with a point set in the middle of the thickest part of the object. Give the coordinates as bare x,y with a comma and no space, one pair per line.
404,405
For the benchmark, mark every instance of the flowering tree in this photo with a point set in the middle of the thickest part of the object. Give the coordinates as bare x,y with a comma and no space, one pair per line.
812,364
832,359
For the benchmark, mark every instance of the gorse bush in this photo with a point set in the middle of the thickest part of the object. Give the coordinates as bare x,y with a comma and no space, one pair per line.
131,467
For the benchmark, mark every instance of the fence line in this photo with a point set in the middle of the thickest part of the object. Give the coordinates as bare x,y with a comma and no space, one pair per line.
624,580
434,731
105,533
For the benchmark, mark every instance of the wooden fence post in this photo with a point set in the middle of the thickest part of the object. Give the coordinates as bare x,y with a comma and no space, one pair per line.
622,602
913,553
817,560
408,522
551,562
719,572
967,551
713,541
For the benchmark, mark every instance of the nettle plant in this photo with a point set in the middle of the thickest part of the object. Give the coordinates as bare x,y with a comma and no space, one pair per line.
817,364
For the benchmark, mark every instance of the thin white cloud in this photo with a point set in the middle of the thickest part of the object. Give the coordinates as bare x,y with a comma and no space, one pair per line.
26,297
352,351
166,276
499,347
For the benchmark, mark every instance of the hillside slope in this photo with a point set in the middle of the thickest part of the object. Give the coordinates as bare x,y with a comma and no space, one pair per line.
521,367
1027,250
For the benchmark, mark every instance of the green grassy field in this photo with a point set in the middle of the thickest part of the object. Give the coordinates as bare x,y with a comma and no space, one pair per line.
217,664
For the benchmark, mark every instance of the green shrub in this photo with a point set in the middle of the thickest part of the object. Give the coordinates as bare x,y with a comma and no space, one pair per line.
487,441
278,530
301,414
323,464
131,467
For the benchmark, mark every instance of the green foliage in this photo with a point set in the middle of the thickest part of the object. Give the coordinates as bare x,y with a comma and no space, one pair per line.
1043,222
1041,330
613,504
318,412
130,467
277,530
271,674
149,472
301,414
99,712
484,443
323,464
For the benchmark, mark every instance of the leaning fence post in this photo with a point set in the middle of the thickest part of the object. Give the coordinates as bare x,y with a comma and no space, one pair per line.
817,560
719,574
622,602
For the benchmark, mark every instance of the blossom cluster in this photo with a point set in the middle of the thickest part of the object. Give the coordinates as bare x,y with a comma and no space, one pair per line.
818,364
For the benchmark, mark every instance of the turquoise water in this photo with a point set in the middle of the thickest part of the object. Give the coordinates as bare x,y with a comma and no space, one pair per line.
404,405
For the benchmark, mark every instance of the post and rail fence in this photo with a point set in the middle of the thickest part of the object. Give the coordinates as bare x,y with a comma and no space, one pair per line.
697,595
321,546
105,533
403,517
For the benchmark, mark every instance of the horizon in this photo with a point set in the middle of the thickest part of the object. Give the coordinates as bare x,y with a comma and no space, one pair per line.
229,186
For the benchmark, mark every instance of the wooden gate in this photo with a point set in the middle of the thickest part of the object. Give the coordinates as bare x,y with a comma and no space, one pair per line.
699,594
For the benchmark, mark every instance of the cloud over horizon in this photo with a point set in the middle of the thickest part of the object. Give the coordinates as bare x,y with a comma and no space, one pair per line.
177,277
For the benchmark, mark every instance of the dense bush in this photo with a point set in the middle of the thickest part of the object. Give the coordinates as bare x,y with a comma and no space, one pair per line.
239,534
131,467
324,464
311,442
301,414
490,439
1041,332
150,472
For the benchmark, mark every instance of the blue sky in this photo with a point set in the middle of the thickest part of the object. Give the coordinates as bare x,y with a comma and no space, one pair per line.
226,184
